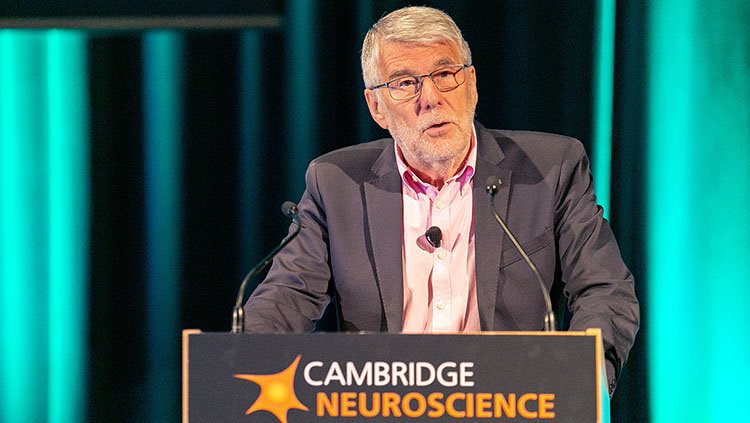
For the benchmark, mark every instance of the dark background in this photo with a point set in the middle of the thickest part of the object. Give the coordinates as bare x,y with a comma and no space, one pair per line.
534,62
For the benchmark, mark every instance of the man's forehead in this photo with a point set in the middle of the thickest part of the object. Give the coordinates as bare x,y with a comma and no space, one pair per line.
398,58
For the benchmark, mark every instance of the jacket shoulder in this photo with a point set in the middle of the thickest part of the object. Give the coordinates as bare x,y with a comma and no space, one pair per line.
540,148
355,154
359,162
541,142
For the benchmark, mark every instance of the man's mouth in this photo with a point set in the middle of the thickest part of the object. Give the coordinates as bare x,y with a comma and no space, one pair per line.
437,128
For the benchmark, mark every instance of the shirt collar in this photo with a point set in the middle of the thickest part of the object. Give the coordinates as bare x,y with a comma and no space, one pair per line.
463,176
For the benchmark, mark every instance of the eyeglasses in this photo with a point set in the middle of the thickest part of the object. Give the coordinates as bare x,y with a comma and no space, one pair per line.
407,87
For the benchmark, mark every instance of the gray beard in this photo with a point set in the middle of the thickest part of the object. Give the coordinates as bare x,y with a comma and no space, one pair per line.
439,156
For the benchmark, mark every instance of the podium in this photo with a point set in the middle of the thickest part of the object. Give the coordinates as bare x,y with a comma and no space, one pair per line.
379,377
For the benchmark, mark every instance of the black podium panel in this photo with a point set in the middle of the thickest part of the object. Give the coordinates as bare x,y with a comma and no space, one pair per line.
508,377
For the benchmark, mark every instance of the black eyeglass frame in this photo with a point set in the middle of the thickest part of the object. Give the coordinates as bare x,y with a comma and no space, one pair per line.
420,80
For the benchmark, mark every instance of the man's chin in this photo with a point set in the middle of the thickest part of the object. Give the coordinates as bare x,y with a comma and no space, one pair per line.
440,154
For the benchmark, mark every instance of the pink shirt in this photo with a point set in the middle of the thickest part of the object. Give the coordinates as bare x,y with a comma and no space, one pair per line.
439,283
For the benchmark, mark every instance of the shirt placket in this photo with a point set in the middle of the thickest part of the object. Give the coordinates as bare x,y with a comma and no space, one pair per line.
442,300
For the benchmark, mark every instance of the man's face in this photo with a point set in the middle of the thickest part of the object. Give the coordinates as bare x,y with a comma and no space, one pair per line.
435,126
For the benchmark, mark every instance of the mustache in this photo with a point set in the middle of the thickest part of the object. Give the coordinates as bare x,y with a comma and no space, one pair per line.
433,119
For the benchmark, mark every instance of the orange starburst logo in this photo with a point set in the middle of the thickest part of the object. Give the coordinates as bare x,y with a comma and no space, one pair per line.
276,392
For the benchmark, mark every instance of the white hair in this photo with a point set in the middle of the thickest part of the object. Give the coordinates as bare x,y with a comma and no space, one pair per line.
413,25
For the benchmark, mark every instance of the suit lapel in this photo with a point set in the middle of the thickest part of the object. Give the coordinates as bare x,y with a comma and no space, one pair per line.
384,208
488,236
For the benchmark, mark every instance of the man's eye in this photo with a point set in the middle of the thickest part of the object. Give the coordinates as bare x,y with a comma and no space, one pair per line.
406,83
443,73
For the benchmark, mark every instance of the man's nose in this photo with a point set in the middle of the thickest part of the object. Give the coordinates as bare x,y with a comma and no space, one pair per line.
430,95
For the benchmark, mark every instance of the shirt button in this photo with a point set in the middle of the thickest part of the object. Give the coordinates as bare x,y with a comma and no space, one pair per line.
440,305
439,205
441,255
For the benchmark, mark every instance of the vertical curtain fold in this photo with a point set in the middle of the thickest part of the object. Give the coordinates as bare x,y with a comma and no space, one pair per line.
44,219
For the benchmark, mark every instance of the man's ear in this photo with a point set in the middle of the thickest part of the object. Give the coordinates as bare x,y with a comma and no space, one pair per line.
376,108
473,84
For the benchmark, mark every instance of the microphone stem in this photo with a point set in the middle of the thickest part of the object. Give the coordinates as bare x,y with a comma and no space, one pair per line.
549,315
238,314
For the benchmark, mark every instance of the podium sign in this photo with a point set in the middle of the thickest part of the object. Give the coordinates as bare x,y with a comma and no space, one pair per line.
378,377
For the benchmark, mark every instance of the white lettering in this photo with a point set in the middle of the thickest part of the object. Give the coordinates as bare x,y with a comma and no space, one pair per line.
382,376
398,373
308,378
421,380
334,373
466,373
358,379
452,379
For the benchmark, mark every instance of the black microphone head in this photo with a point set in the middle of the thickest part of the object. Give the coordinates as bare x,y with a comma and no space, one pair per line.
289,209
434,235
493,183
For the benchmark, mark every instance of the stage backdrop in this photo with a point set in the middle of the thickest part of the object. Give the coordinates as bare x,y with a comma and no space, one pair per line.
142,169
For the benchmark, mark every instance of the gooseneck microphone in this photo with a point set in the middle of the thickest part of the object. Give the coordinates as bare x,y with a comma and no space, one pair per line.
434,236
493,182
238,313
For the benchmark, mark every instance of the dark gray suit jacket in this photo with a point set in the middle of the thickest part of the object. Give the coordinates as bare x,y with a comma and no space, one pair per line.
350,246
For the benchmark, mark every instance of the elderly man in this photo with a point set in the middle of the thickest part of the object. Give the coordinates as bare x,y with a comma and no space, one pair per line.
366,212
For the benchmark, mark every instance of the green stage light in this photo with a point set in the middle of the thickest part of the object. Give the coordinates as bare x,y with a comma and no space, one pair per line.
67,84
163,57
302,94
251,148
44,221
604,64
23,373
699,197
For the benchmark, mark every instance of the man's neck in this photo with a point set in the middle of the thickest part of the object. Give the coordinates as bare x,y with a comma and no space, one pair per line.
436,173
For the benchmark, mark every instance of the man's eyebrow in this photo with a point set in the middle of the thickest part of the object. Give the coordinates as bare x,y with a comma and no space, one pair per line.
399,73
406,72
445,61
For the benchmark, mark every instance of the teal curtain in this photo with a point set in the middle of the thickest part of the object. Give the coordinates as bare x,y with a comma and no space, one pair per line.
699,198
44,220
